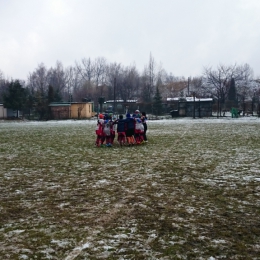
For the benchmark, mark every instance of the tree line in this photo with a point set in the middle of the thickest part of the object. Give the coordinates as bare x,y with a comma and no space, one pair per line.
91,79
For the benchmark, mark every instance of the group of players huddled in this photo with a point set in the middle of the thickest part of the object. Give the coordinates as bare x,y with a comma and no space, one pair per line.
130,130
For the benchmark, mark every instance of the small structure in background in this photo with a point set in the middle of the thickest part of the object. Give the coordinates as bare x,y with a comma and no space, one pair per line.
59,110
73,110
190,107
8,113
121,106
3,111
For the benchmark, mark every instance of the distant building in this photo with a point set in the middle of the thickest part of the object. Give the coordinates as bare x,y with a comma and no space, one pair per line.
60,110
8,112
73,110
190,106
3,111
121,106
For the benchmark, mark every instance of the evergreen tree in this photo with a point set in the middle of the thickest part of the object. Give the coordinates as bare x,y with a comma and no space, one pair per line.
145,94
41,104
57,96
157,104
232,93
30,102
15,97
51,94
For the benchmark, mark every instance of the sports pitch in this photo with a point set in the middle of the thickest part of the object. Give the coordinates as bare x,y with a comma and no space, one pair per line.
191,192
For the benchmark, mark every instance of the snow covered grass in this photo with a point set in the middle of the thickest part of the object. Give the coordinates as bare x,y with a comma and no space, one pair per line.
192,192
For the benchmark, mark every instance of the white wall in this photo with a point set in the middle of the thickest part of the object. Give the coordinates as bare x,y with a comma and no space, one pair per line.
3,111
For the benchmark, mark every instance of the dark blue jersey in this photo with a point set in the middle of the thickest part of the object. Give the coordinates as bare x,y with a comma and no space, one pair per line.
130,123
121,125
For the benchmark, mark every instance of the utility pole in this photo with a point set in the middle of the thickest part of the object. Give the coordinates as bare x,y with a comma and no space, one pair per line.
199,109
188,86
114,110
194,96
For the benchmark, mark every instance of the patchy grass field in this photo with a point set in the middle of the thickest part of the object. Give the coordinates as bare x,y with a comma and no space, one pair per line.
192,192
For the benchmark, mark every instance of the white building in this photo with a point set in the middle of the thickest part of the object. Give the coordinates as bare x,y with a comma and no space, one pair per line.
3,111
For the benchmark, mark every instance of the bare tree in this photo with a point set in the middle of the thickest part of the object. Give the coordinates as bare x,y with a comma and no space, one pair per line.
1,75
113,70
151,74
246,78
38,85
3,85
86,72
198,85
57,79
218,79
130,83
148,80
99,71
161,80
72,82
245,86
218,82
38,80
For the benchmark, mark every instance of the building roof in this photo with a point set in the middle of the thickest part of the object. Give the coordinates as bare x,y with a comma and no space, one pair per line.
59,104
121,101
189,99
66,104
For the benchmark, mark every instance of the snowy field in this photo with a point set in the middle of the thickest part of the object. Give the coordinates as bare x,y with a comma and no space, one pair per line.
191,192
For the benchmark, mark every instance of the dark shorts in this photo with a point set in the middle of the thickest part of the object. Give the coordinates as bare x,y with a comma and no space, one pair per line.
130,132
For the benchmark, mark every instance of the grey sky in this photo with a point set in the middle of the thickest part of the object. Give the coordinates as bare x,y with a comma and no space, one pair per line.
183,35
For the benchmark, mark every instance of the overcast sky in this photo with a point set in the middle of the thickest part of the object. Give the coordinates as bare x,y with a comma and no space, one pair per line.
183,35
